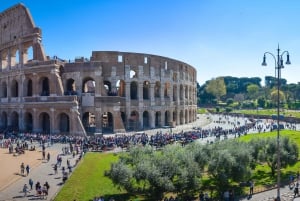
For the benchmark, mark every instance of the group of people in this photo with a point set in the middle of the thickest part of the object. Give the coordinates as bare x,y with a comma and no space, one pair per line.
23,168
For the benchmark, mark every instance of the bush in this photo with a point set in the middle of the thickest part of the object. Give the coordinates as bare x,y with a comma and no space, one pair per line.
228,109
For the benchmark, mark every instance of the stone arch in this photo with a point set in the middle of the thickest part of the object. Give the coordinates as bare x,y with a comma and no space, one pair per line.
157,119
181,117
167,90
16,58
174,117
157,89
64,122
174,92
134,120
167,118
181,93
14,89
3,89
132,74
44,86
71,87
28,54
186,92
121,88
14,121
108,88
146,90
3,122
107,122
28,122
146,119
186,117
88,120
29,88
134,90
123,116
44,122
88,85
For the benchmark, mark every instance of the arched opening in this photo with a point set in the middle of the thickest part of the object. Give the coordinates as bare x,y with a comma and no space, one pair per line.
123,116
89,86
44,122
3,90
134,121
28,55
108,88
181,92
71,87
107,123
121,88
14,121
146,120
14,89
181,117
174,117
132,74
157,90
174,92
28,122
186,92
167,90
17,58
157,119
3,122
146,90
167,118
186,117
29,88
88,120
45,87
64,123
133,91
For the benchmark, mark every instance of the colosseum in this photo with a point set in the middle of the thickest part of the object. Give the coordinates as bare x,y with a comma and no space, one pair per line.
110,92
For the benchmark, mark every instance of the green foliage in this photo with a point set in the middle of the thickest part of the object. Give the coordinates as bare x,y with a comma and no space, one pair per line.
216,87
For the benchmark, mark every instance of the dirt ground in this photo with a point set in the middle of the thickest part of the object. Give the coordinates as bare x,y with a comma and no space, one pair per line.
10,165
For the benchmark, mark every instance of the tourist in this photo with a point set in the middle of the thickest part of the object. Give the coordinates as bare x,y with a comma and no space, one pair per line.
30,183
22,168
27,170
25,190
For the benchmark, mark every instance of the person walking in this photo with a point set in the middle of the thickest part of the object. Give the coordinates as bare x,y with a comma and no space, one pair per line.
251,187
27,170
25,190
22,169
30,183
48,157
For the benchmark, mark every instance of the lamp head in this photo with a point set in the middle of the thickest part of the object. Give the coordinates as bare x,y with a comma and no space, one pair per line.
264,63
288,59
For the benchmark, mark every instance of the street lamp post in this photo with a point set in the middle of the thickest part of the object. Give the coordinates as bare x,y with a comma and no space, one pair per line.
278,66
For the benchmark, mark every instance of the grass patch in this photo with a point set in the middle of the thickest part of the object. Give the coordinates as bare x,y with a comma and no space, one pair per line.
88,179
270,112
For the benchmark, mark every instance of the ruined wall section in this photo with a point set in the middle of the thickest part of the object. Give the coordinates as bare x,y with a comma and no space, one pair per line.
17,34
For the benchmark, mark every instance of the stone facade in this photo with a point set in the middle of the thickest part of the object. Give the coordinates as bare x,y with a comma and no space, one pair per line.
108,93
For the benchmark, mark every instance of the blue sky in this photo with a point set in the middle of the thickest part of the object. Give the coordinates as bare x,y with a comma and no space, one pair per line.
217,37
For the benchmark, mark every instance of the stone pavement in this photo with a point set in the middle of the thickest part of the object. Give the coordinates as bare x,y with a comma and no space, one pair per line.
41,173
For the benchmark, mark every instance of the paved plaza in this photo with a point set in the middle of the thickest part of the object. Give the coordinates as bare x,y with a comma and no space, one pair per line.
12,182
